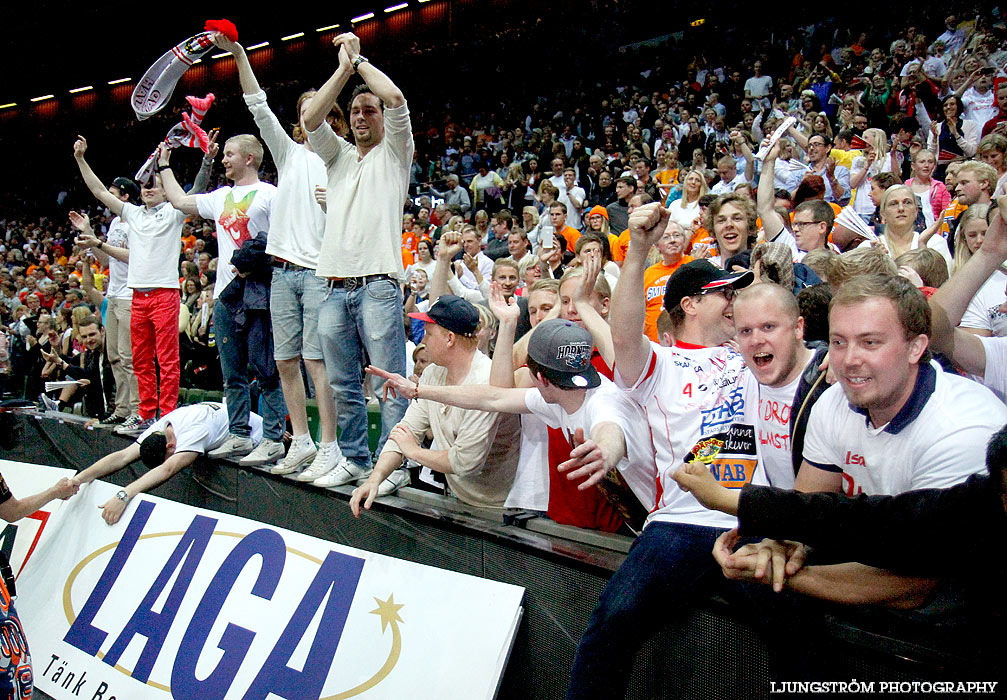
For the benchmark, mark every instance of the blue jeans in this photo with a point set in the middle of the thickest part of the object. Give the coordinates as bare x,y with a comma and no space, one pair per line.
351,323
241,349
668,567
295,297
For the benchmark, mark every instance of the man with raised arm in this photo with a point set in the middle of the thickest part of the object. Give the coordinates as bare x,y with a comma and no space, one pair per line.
693,396
241,213
296,226
155,242
983,357
361,257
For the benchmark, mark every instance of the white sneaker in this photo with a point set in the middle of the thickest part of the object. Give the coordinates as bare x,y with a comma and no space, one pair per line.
267,452
326,459
233,446
300,453
396,480
345,472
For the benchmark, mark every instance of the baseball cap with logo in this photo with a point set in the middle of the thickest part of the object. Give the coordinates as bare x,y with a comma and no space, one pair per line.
563,351
453,313
700,277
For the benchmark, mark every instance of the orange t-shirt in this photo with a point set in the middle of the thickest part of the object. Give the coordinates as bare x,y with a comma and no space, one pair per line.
410,242
655,280
571,235
953,211
620,246
188,241
668,177
701,235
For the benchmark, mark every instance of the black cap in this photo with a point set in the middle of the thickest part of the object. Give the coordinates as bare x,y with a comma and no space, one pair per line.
701,276
127,186
453,313
563,350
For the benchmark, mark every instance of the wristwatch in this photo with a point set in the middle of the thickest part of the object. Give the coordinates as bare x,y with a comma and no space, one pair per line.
358,60
122,496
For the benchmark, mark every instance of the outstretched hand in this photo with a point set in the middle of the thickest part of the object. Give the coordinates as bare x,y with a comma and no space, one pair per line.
585,289
81,223
586,461
449,246
395,384
79,147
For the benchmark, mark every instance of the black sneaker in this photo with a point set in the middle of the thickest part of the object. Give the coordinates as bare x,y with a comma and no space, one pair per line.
112,419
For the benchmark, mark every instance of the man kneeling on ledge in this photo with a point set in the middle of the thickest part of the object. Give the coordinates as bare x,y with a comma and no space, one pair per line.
167,447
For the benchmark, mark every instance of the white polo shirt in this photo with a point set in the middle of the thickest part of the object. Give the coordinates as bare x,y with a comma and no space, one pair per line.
155,238
937,440
984,309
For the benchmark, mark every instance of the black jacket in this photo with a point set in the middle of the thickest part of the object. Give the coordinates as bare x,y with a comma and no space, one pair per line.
809,389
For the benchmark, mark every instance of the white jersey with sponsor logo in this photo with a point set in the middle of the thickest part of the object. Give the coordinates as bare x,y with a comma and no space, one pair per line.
936,440
694,401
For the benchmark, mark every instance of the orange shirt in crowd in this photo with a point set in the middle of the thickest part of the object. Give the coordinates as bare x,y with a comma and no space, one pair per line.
571,235
620,246
655,280
668,176
953,211
188,242
701,235
410,242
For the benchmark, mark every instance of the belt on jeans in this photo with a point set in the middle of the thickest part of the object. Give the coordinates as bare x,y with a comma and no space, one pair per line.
354,282
287,265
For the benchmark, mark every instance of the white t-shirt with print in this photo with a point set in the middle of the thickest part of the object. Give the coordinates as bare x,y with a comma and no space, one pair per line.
769,408
201,427
155,243
984,309
937,439
241,213
690,397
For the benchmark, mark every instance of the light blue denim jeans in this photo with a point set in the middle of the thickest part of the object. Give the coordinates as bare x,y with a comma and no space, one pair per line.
364,321
294,300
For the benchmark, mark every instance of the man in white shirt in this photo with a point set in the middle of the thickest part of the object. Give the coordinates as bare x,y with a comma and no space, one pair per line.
758,86
361,256
241,213
770,335
296,227
166,448
694,400
574,197
979,99
117,315
155,233
892,424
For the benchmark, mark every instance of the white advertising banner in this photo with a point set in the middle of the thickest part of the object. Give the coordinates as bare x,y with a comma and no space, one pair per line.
179,602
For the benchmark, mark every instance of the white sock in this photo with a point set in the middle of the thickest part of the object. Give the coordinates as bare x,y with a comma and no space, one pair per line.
301,439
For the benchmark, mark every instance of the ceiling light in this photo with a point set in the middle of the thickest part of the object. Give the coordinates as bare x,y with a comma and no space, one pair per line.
119,80
257,46
361,18
292,36
81,89
43,97
394,8
325,29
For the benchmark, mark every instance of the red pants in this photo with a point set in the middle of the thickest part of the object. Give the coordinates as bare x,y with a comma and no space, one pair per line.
154,333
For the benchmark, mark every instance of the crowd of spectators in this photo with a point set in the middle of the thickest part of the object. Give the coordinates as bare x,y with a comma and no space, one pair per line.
842,170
